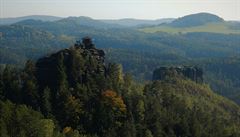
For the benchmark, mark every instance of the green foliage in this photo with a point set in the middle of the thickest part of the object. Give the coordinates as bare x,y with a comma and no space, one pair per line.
223,76
20,121
29,87
11,84
138,52
46,102
61,74
223,28
82,96
115,75
187,107
20,43
73,111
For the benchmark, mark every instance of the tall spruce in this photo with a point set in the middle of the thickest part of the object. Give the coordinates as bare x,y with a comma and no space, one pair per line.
30,94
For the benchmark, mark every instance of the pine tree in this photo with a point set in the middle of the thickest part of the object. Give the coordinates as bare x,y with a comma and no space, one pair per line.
11,84
46,102
115,75
29,89
62,83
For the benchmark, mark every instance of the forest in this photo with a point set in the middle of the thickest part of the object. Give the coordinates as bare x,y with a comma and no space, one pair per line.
55,84
139,52
74,93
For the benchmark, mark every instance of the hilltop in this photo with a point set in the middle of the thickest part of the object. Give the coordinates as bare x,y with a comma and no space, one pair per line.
130,22
8,21
196,20
201,22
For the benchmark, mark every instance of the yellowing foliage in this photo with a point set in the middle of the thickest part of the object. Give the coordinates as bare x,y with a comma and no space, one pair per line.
116,101
67,129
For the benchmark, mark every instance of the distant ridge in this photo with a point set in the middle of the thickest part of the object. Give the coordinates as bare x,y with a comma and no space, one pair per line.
196,20
130,22
185,21
29,22
8,21
87,21
125,22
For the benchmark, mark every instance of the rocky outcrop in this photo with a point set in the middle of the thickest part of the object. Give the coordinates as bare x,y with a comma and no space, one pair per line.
79,63
193,73
90,49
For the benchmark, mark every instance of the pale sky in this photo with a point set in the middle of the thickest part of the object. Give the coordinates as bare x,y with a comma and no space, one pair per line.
115,9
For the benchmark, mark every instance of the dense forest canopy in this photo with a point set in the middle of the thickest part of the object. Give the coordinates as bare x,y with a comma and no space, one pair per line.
139,52
73,93
106,90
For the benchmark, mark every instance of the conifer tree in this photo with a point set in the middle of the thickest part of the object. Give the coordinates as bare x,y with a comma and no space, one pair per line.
46,102
11,84
29,89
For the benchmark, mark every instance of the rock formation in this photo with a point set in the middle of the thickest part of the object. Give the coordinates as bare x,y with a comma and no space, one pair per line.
193,73
79,62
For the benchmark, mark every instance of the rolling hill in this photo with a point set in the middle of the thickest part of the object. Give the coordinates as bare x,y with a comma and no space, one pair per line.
8,21
138,22
201,22
138,52
224,28
195,20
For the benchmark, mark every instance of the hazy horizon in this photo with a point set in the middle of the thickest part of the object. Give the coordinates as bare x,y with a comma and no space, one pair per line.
118,9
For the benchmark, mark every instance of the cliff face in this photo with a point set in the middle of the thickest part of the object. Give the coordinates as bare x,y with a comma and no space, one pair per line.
193,73
79,63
